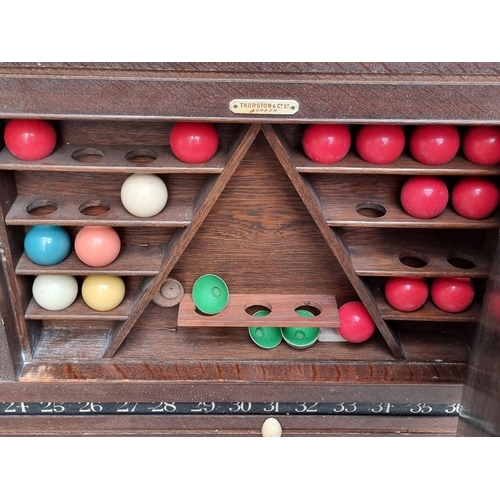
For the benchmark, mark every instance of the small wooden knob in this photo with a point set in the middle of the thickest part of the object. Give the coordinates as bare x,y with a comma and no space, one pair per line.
170,294
271,428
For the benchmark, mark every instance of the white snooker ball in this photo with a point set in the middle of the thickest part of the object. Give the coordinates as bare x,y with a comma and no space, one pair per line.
144,195
55,292
271,428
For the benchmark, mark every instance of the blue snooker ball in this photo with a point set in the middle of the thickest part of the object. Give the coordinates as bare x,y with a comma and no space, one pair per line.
47,245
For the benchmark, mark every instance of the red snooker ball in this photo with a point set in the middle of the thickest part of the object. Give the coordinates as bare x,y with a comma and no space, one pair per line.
452,295
475,197
380,144
326,143
194,142
434,144
424,197
30,140
356,324
406,294
481,144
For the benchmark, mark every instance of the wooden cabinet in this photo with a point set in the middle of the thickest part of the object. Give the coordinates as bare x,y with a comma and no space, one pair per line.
262,216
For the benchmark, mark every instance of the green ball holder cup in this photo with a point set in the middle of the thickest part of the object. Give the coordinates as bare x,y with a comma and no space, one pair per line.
267,337
301,337
210,294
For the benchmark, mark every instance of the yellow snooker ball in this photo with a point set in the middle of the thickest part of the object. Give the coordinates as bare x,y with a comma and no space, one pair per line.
103,292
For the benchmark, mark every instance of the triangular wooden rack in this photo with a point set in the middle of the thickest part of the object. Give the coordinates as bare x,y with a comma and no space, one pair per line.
332,236
328,219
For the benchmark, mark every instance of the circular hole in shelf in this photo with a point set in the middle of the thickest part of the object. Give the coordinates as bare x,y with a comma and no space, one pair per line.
93,207
461,260
141,156
413,259
251,309
310,306
41,207
371,210
87,155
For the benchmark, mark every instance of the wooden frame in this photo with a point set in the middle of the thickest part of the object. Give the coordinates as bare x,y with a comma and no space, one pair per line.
135,355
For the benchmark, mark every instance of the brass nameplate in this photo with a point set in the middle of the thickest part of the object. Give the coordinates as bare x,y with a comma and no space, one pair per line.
264,106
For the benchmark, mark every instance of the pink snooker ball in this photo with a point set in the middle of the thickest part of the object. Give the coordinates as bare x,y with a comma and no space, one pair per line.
407,293
424,197
326,143
475,197
452,295
97,246
356,324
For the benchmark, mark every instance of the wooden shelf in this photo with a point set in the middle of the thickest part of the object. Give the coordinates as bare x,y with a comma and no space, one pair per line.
428,312
210,350
344,214
427,261
79,311
109,211
113,159
371,200
404,165
368,201
282,311
134,260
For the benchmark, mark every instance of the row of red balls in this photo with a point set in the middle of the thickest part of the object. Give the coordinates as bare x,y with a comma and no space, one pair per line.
32,140
425,197
382,144
197,142
408,294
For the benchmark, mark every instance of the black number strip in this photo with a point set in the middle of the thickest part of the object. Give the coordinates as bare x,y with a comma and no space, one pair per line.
236,408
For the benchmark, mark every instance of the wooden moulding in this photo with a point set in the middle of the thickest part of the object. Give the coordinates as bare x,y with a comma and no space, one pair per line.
240,308
113,159
102,210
